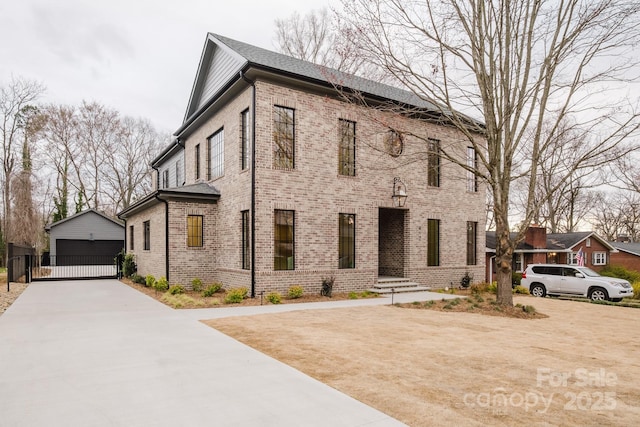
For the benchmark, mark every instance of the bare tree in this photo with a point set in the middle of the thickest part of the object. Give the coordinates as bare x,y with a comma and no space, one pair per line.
617,214
15,98
518,66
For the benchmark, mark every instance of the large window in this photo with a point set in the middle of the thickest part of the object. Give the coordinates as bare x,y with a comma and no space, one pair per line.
472,228
599,258
433,242
245,139
347,149
197,161
433,167
216,155
283,240
283,137
146,226
347,241
472,162
246,248
194,231
131,245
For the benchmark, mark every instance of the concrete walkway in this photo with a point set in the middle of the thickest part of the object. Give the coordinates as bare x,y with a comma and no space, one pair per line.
98,353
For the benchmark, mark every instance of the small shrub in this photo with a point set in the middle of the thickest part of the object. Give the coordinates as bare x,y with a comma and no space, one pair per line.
149,281
529,309
136,278
479,288
327,286
176,289
353,295
520,290
636,290
161,285
129,265
416,303
448,306
235,295
429,303
180,300
274,297
212,289
479,298
465,282
295,292
516,279
196,285
493,287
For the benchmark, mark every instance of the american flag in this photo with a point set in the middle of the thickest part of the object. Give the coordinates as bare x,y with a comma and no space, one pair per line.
580,257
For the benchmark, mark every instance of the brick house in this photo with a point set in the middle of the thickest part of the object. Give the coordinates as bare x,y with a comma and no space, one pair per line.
274,180
539,247
627,255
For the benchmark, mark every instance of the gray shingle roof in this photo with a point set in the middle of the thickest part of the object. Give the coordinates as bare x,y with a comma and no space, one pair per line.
279,62
632,248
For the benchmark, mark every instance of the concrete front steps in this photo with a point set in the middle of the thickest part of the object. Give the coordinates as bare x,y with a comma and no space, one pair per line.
398,284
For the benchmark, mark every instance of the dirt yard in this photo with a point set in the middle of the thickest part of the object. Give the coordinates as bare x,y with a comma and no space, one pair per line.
578,367
7,298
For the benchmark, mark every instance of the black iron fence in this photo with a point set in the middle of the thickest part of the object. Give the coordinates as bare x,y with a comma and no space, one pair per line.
18,262
66,267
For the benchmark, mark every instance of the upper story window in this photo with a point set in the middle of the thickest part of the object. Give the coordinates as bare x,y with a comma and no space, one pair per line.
165,178
347,148
283,137
245,139
197,161
472,163
216,155
178,177
433,163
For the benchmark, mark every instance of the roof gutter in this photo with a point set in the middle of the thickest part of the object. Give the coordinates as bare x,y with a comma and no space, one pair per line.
253,182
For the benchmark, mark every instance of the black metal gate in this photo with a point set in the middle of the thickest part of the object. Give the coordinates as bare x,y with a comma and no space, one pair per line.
76,267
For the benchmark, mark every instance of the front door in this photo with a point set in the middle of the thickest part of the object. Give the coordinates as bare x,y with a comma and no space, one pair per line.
391,242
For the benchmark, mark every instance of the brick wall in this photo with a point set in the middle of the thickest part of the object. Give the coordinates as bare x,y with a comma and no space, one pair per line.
151,261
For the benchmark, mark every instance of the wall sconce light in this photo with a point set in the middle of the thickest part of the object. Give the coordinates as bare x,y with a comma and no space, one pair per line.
399,194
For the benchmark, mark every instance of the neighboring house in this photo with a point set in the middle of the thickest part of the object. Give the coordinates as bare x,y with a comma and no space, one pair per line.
627,255
556,248
285,183
88,237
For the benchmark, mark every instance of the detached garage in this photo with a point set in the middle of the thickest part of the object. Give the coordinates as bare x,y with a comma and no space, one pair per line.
86,238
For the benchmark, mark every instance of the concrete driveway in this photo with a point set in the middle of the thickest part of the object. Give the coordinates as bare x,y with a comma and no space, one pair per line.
98,353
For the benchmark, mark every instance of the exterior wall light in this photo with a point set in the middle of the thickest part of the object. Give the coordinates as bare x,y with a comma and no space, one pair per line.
399,195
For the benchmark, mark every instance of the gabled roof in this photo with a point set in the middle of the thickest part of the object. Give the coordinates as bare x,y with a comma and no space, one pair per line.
199,192
72,217
225,61
630,248
556,242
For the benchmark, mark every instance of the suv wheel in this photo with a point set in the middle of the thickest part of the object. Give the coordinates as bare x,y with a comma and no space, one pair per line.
538,290
598,294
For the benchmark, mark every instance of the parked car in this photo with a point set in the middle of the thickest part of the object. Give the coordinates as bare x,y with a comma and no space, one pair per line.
558,279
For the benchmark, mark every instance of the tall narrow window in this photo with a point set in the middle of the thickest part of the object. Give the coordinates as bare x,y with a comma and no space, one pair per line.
433,242
347,241
472,228
146,226
178,173
216,155
283,137
197,161
433,166
472,162
283,240
245,139
246,248
347,148
194,231
165,178
131,245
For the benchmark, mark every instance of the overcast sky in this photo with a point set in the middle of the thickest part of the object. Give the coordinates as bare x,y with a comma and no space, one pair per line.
136,56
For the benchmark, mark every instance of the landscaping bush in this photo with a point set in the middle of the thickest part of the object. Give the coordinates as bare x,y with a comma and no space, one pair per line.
196,285
274,297
620,272
176,289
327,286
479,288
136,278
520,290
235,295
149,281
636,290
353,295
212,289
128,265
161,285
493,287
516,279
295,292
465,282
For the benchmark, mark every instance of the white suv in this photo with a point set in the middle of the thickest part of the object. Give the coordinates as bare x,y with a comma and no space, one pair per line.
558,279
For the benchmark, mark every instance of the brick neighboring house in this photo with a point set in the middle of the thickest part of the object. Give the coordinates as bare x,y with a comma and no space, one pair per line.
627,255
274,180
556,248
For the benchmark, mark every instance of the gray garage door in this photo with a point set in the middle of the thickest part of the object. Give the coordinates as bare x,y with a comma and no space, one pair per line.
87,252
